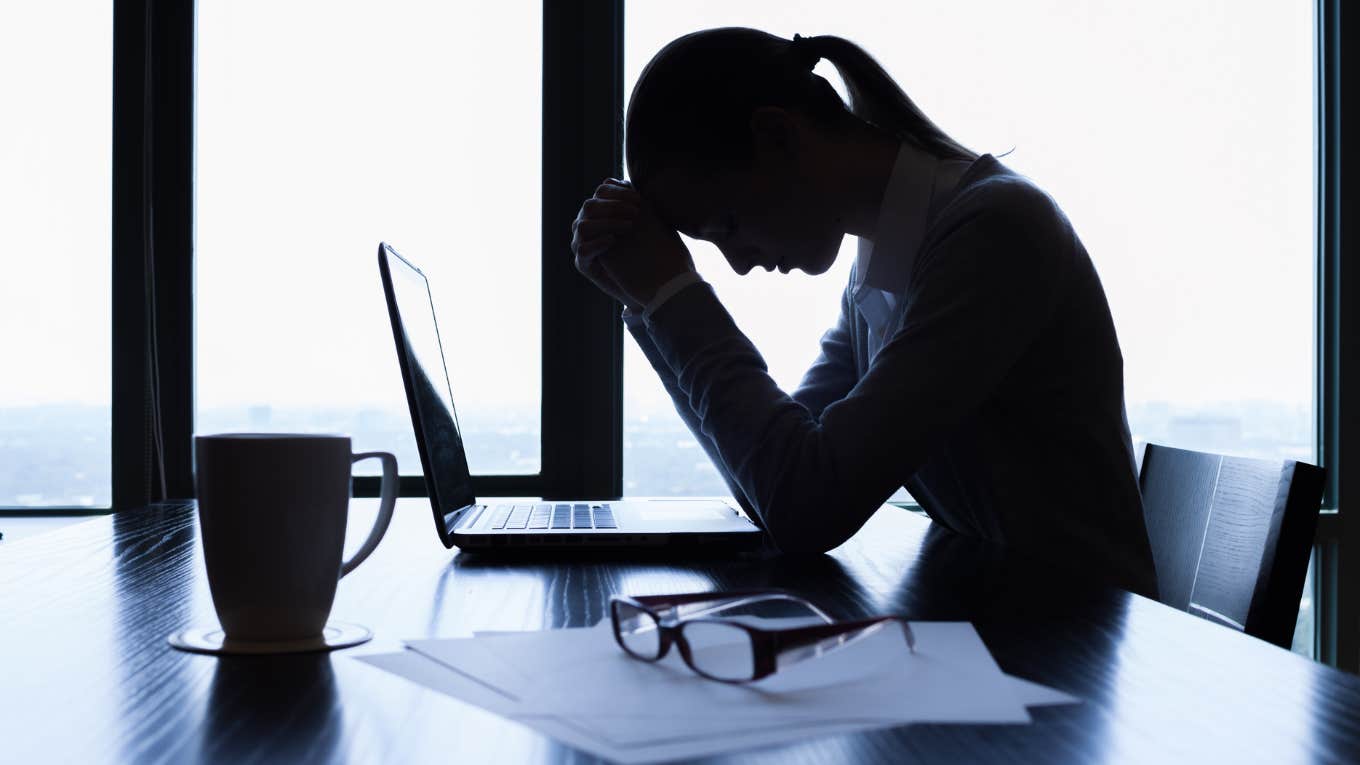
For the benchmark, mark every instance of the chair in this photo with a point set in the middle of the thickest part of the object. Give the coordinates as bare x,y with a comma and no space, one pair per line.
1231,536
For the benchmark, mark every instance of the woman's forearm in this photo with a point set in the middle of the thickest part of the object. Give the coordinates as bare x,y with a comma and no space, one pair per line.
638,330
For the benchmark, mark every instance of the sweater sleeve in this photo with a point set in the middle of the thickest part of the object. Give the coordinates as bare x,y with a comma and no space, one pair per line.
638,330
829,378
983,289
833,374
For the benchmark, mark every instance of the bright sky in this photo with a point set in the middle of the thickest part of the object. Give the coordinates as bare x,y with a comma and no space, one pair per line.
1177,137
335,126
55,199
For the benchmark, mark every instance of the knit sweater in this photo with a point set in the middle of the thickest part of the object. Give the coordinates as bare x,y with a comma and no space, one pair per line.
997,399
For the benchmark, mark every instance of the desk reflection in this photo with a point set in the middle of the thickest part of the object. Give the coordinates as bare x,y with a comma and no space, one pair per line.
279,708
1032,614
953,577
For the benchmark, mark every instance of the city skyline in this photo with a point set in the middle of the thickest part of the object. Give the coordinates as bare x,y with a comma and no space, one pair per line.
59,455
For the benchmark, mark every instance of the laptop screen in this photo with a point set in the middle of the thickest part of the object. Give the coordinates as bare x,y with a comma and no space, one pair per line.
428,392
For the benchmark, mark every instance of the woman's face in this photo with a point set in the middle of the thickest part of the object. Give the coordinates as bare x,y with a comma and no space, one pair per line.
761,218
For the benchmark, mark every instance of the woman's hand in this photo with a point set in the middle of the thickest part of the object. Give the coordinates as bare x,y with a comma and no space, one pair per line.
623,247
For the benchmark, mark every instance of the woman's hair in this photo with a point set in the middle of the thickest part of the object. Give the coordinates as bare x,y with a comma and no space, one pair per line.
692,106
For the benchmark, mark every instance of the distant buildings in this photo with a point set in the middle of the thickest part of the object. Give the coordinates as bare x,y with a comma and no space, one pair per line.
60,455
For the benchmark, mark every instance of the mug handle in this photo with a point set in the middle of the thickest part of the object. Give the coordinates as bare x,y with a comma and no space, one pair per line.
389,501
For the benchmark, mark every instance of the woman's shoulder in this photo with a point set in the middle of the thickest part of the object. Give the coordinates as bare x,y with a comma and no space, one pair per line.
990,187
1000,223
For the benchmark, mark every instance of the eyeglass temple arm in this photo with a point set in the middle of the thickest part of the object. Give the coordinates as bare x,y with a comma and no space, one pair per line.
695,604
795,645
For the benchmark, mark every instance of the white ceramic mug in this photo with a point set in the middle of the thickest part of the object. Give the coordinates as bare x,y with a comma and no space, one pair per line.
273,509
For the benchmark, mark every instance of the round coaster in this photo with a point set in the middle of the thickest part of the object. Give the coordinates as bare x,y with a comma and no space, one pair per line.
212,640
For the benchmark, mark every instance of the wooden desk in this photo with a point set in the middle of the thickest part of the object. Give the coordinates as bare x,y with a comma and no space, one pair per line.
86,675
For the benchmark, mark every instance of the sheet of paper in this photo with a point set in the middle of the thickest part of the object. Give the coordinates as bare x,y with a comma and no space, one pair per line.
1029,693
1032,694
486,664
950,678
420,670
577,686
702,746
585,734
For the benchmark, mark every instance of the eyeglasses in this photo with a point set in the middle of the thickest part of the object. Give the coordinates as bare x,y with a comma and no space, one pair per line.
726,650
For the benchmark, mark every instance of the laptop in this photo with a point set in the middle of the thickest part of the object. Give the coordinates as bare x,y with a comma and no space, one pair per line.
471,525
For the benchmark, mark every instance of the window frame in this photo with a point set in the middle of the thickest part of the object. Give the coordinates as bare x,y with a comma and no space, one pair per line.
1338,428
582,415
152,319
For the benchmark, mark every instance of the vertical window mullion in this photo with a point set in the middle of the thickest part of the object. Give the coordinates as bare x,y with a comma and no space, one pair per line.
1338,425
582,334
152,251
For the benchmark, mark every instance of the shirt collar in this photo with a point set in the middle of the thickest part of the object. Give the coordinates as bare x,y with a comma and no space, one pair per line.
884,261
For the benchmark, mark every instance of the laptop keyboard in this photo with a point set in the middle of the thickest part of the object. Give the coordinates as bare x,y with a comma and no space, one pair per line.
547,515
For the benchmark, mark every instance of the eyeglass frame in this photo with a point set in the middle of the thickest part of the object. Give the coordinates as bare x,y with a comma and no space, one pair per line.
767,645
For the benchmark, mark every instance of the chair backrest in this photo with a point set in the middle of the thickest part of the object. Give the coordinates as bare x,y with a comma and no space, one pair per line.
1231,536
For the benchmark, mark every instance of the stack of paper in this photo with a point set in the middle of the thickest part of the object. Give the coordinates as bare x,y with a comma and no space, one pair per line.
577,686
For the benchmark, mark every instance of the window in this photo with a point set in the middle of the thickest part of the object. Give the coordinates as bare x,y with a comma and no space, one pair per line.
1178,138
322,132
55,202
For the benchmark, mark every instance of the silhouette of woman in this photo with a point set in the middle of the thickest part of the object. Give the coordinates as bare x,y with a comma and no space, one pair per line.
974,361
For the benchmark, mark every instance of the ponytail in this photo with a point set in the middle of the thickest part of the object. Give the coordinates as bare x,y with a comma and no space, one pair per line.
692,105
876,98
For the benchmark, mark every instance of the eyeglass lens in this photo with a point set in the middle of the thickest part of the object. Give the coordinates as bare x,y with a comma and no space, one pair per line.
720,650
637,631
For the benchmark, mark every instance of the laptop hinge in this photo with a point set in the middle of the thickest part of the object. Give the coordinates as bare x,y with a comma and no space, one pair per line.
466,516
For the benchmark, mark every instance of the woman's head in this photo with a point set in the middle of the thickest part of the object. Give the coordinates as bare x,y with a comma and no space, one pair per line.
731,136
